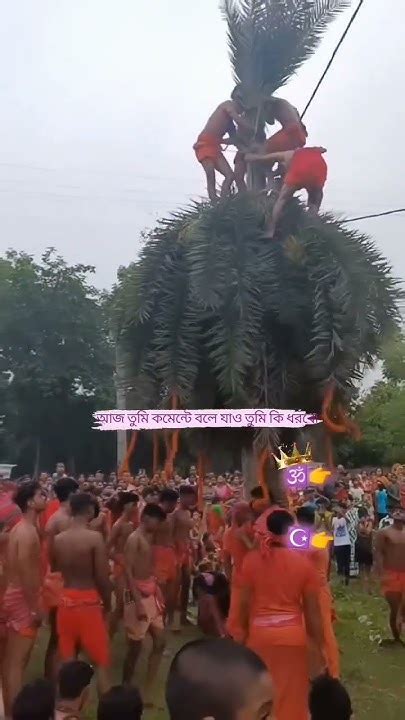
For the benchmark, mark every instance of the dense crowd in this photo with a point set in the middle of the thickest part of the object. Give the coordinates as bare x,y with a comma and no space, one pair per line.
90,556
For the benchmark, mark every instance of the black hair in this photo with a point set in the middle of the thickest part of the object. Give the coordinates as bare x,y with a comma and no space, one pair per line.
257,493
35,701
306,515
189,490
154,511
25,493
149,490
80,503
125,498
73,678
64,487
362,512
329,700
168,495
120,703
279,521
203,681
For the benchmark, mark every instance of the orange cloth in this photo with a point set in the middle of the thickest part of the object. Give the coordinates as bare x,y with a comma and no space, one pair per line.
207,147
237,551
17,614
277,578
393,582
290,137
81,625
165,564
51,508
307,170
320,560
52,590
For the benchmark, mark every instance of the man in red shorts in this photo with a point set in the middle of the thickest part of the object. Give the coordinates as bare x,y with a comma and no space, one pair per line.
80,555
305,169
390,565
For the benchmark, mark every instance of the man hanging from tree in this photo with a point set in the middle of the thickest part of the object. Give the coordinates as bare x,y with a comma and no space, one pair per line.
225,120
305,169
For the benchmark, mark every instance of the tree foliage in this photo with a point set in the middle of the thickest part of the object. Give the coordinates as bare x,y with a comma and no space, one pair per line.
55,359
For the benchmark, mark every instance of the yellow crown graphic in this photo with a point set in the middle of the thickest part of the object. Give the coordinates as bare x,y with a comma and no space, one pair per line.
295,458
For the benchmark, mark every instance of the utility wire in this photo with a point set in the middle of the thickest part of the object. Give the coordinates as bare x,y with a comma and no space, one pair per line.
381,214
351,21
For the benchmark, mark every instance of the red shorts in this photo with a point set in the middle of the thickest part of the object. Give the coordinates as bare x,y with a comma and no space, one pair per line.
207,147
17,614
81,625
393,582
290,137
307,170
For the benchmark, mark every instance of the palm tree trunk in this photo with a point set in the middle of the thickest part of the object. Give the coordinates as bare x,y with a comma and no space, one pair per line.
274,479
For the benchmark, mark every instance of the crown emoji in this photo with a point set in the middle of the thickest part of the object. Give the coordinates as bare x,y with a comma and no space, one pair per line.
295,458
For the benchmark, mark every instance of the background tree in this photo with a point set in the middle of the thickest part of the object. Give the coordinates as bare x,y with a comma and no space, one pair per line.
217,317
55,363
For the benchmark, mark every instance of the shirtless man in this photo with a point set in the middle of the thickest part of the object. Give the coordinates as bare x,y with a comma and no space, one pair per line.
59,521
143,610
390,565
21,602
208,146
165,559
80,555
292,136
306,169
182,525
121,530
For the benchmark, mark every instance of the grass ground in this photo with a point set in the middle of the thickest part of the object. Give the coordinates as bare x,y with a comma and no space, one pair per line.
374,676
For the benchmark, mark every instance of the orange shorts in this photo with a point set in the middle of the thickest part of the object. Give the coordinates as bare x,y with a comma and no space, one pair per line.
307,170
207,147
52,590
393,582
165,564
289,138
81,625
17,614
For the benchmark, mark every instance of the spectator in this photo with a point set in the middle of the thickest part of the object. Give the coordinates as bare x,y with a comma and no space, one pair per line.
342,543
217,679
120,703
329,700
73,689
381,501
35,701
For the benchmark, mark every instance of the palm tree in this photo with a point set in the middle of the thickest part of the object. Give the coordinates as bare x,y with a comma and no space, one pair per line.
215,316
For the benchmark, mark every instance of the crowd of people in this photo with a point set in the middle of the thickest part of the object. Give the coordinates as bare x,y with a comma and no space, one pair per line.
90,557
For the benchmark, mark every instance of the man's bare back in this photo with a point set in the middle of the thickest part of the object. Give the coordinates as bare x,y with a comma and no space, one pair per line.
182,526
282,111
165,533
23,552
120,533
390,546
139,555
75,553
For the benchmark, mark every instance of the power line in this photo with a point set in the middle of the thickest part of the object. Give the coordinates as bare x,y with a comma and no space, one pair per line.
351,21
366,217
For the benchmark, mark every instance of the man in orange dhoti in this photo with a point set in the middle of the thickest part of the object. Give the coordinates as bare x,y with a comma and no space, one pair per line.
166,568
238,541
279,607
305,169
320,559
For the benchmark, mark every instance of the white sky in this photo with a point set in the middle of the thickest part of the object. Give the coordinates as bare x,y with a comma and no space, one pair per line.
102,101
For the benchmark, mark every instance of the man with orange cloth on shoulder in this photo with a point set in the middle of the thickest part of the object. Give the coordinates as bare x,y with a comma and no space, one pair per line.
279,607
239,539
208,146
306,169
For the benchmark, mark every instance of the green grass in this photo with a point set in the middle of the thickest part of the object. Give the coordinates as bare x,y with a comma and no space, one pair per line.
373,676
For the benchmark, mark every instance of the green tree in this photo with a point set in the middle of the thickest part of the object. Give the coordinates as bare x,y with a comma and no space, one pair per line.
56,363
221,318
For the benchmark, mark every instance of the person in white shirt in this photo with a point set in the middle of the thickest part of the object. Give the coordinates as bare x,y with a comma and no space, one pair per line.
342,543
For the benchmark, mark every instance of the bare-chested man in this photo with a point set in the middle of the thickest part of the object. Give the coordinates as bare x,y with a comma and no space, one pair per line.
80,555
182,525
21,601
208,146
121,530
390,565
144,607
59,521
165,559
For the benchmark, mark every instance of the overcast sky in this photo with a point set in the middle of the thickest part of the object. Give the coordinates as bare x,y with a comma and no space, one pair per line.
102,101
